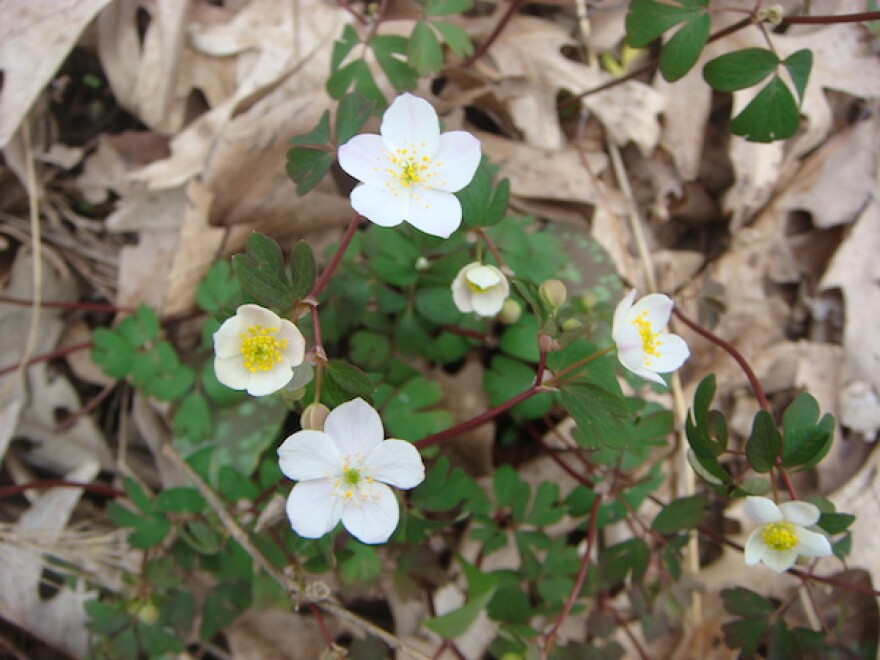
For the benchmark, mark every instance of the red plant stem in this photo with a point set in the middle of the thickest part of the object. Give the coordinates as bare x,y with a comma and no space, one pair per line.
51,355
554,454
499,28
62,304
550,637
826,20
730,350
482,337
624,624
337,258
68,422
786,481
322,626
97,489
492,248
479,420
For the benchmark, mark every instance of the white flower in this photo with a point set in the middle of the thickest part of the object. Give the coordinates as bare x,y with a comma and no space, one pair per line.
410,171
643,345
256,350
782,536
480,288
342,473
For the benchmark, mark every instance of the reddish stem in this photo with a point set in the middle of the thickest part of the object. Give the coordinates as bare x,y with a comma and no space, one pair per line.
499,27
337,258
86,409
51,355
861,17
322,626
550,637
61,304
97,489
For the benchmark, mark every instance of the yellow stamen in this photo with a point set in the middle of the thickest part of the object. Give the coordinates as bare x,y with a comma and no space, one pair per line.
351,476
779,536
261,348
650,339
409,167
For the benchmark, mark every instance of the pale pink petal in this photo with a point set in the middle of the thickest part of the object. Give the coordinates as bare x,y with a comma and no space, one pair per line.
397,463
673,352
411,123
812,544
231,372
656,308
262,383
762,510
309,455
295,351
380,205
355,427
227,339
755,547
800,513
434,212
256,315
312,508
364,157
620,314
780,561
456,161
375,519
489,303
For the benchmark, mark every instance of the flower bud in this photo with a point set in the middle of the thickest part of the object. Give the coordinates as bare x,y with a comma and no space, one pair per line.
510,312
553,293
422,263
313,417
571,324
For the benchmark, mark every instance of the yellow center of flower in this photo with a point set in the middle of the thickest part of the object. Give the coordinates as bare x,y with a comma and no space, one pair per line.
409,167
261,348
352,483
476,288
650,339
779,536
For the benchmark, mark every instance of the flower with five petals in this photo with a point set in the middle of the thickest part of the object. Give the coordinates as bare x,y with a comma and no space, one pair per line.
643,345
344,473
480,288
782,535
410,171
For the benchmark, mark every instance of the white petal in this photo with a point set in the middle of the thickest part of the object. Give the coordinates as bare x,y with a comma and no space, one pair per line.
762,510
456,161
312,508
673,352
485,276
255,315
262,383
489,303
780,561
620,314
309,455
800,513
355,427
397,463
647,374
364,157
755,547
227,339
411,123
461,293
657,309
295,351
434,212
231,372
380,205
373,520
812,544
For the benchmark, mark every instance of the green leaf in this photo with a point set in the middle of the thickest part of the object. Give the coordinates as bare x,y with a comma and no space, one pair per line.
302,269
369,350
446,7
409,414
683,513
481,204
521,339
217,288
353,112
544,509
764,444
682,51
805,442
306,164
458,40
361,567
648,19
223,604
343,46
836,523
481,588
423,50
799,65
746,603
771,115
630,557
745,634
783,644
740,69
443,490
390,52
599,415
180,500
511,491
356,73
349,380
192,419
507,378
140,328
112,353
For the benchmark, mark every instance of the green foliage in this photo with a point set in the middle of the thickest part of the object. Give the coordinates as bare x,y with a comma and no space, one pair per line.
680,514
648,19
806,438
482,204
481,588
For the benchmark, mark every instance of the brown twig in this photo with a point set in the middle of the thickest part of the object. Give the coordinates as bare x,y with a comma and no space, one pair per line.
44,484
51,355
496,32
61,304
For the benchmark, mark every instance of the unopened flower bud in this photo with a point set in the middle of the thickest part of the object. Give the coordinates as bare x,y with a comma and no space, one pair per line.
510,312
313,417
422,263
589,300
571,324
772,15
553,293
547,343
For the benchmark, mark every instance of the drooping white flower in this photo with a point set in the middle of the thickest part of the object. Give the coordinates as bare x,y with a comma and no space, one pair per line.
480,288
643,345
410,171
342,473
783,536
256,350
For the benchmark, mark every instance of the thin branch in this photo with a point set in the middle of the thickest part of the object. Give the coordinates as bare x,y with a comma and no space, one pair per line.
493,36
337,258
96,489
51,355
